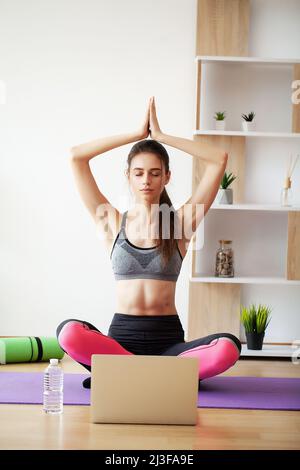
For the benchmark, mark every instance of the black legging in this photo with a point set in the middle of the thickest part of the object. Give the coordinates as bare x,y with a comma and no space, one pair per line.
154,335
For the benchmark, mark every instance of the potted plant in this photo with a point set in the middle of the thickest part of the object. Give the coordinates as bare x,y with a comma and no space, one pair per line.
255,321
225,195
247,123
220,120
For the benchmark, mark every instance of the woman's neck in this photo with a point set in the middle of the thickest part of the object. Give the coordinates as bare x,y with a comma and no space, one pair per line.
145,214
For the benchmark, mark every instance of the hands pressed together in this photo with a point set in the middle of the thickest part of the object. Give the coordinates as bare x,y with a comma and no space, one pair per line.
150,124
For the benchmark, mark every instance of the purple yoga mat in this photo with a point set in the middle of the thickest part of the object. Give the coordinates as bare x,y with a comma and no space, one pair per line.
258,393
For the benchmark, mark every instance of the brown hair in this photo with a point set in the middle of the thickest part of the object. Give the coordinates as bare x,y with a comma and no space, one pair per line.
167,246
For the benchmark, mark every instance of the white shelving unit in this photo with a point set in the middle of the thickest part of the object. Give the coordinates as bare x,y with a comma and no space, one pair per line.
245,280
269,350
210,59
287,135
237,84
254,207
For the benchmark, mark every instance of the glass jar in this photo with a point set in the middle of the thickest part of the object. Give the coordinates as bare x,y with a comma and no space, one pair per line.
224,259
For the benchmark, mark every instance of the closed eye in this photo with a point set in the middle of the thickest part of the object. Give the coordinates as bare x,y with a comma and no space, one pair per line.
141,174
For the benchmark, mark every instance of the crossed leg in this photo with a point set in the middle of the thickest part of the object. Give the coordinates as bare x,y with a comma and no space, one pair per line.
80,339
216,353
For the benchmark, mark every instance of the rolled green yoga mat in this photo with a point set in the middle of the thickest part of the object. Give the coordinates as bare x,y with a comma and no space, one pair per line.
29,349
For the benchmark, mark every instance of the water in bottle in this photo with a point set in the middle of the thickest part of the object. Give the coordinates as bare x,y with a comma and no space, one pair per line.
53,388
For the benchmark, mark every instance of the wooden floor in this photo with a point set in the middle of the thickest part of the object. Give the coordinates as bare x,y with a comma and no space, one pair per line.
27,427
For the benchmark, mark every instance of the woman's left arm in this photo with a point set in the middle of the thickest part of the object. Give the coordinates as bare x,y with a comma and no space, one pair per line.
206,152
215,161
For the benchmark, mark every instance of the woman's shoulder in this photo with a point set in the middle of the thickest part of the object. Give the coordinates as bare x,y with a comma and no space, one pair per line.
109,224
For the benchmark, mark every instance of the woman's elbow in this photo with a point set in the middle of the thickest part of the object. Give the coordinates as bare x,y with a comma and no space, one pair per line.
224,157
73,153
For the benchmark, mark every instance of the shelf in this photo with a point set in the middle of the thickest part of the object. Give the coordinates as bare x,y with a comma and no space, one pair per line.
269,350
232,81
245,60
245,280
255,207
249,133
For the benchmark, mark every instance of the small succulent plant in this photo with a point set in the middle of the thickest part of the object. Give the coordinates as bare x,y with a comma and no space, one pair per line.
227,180
248,117
220,116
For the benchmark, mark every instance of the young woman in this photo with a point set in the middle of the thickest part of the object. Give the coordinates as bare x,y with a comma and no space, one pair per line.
146,268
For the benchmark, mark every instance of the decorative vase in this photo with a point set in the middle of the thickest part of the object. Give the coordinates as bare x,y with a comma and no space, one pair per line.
286,197
255,340
220,125
225,196
248,126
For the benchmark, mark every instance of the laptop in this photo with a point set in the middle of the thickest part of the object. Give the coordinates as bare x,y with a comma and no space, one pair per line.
144,389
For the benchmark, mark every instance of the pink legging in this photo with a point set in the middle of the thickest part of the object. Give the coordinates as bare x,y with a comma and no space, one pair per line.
216,352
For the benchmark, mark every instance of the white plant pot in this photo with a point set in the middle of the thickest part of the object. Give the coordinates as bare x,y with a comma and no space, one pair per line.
224,196
248,126
220,125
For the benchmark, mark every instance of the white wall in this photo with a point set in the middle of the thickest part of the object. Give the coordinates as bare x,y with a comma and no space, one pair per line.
274,28
75,71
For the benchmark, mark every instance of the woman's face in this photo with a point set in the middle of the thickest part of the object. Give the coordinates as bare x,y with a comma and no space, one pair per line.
147,171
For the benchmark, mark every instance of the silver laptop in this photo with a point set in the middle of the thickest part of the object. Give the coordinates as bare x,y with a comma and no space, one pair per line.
144,389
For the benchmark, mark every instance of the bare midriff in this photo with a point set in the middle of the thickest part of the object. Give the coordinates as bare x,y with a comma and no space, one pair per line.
146,297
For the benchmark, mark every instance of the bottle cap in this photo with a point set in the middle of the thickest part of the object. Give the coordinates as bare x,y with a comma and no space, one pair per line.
54,362
225,241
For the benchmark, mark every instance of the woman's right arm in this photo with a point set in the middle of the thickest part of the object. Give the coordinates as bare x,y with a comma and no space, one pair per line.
93,199
84,152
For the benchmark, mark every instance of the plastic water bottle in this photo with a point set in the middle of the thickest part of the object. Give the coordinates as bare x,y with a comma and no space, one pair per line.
53,388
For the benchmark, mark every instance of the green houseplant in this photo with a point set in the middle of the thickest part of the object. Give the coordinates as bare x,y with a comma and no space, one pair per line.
255,321
220,120
247,122
225,195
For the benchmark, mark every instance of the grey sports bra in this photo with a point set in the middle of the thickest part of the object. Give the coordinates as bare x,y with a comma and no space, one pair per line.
133,262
